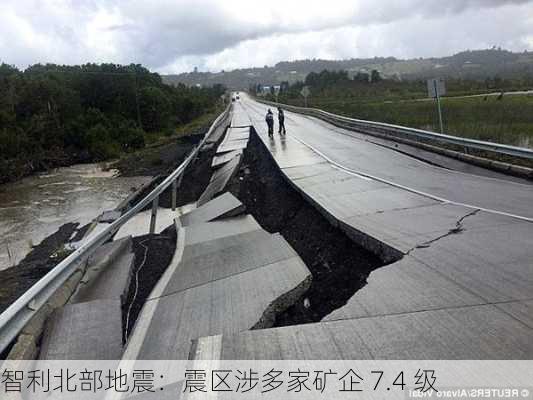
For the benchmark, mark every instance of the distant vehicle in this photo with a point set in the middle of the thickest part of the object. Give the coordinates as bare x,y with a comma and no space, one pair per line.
238,97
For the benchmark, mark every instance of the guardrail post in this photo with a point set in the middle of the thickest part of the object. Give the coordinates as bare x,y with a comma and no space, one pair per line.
175,192
155,205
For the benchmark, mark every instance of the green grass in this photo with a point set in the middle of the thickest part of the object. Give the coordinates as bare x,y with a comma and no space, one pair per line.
507,121
155,139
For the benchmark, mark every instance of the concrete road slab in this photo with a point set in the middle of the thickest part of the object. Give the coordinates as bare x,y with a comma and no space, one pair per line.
139,224
84,331
398,227
107,277
493,262
232,145
404,286
339,178
225,157
205,232
337,184
295,173
228,168
223,306
225,205
240,119
237,134
220,243
236,137
239,130
297,158
217,134
521,310
229,261
220,179
344,206
319,341
470,333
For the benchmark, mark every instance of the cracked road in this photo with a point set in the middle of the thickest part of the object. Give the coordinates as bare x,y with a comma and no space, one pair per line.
353,152
459,245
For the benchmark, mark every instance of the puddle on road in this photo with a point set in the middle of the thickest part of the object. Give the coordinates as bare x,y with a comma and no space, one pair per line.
35,207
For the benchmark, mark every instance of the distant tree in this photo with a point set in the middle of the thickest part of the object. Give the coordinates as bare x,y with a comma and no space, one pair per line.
375,76
362,77
154,107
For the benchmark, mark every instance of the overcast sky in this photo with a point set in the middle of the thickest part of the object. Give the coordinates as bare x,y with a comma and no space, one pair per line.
172,36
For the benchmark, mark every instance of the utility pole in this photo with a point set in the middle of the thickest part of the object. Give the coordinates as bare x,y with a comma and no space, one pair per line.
137,101
438,106
436,89
305,92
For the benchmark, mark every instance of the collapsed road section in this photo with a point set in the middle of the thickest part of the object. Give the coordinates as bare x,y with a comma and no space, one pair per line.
286,252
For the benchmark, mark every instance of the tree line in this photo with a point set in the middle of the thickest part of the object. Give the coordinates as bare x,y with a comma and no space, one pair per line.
55,115
340,85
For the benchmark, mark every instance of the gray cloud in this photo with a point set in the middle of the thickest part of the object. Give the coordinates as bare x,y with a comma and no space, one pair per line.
174,35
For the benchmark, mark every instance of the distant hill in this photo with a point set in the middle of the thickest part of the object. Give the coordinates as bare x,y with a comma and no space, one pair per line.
476,64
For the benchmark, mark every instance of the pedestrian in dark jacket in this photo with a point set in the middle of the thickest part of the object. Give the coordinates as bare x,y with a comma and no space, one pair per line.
281,119
270,122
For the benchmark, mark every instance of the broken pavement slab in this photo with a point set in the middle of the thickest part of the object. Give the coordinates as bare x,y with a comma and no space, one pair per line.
219,131
108,273
84,331
402,287
232,145
225,205
472,333
220,179
222,306
209,231
216,297
225,157
237,133
228,261
139,224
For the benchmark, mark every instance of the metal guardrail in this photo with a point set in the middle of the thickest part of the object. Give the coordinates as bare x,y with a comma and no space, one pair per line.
18,314
414,134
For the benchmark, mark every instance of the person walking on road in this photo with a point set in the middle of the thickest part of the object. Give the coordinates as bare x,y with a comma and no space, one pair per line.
270,122
281,119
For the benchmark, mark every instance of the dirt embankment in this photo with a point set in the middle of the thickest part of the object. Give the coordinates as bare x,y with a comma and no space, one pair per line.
43,257
159,159
339,266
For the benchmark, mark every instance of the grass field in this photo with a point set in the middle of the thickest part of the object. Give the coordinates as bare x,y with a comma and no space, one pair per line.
508,120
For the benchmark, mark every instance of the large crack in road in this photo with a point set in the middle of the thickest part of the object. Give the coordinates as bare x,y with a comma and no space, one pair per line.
339,266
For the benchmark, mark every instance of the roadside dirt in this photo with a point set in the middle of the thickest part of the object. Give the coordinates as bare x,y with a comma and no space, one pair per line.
339,266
